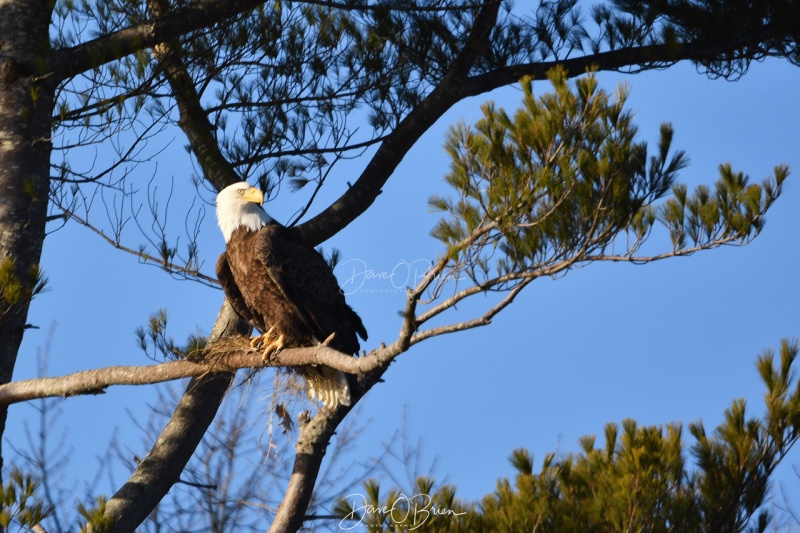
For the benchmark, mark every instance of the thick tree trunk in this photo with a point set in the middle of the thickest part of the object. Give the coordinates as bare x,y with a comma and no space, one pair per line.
26,104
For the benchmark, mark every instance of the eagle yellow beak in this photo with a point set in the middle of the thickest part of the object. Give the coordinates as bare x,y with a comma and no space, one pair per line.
254,195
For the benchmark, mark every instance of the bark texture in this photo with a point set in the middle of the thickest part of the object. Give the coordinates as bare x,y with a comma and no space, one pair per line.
26,104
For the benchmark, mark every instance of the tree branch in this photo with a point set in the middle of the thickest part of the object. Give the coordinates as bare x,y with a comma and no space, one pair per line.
193,119
643,57
449,90
162,466
97,52
456,85
226,356
736,240
483,320
146,258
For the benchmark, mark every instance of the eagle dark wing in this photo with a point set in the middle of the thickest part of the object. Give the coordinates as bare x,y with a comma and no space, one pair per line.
232,292
304,276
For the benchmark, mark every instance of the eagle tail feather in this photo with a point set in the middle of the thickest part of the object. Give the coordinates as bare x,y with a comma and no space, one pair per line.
329,386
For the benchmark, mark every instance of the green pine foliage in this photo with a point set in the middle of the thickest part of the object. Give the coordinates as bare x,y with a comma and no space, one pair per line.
733,22
560,179
14,290
20,509
733,212
564,181
640,479
635,482
158,345
95,519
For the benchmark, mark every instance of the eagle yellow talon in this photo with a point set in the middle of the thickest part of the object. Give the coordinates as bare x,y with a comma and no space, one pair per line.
255,341
273,347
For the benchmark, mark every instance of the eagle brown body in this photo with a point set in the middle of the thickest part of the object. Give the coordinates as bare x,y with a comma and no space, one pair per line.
284,288
280,282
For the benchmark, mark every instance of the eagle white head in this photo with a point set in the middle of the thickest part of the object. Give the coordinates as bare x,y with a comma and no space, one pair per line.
240,205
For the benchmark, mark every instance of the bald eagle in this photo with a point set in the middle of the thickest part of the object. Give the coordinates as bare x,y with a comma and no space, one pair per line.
284,288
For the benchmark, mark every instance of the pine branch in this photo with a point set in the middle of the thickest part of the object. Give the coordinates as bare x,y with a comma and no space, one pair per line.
448,91
193,118
457,85
107,48
736,240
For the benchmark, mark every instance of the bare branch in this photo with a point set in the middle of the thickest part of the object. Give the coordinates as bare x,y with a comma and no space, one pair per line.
146,258
737,240
483,320
226,356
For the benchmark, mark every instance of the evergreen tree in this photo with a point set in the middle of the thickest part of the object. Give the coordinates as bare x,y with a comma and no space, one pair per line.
639,479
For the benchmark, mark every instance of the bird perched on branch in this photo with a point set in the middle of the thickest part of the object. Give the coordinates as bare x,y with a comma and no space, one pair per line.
284,288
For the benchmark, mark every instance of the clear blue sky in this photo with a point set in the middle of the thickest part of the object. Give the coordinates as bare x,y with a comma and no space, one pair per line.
671,341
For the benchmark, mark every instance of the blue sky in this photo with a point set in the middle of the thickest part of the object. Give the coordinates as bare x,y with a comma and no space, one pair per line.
664,342
669,341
